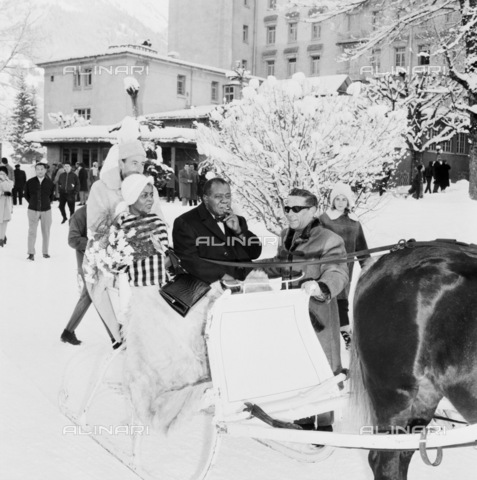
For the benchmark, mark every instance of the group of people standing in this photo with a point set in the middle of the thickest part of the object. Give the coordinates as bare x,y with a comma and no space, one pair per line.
438,171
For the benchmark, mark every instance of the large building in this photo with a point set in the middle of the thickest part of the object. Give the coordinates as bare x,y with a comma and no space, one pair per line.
269,40
93,86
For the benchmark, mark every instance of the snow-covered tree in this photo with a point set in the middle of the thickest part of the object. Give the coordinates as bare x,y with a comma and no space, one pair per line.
433,105
24,119
395,20
67,121
282,135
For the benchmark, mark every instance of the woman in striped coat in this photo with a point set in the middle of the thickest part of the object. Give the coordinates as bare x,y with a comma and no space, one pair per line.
166,369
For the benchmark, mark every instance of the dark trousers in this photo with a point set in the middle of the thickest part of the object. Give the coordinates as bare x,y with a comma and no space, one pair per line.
67,198
343,308
428,185
17,193
436,186
171,194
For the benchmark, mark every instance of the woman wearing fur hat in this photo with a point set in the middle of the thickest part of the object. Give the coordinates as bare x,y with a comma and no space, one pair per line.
166,368
339,219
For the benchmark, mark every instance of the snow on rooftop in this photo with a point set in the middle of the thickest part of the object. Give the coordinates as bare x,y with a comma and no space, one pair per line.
101,133
193,112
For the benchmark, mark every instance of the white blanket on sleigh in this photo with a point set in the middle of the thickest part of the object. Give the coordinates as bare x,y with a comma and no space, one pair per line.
166,367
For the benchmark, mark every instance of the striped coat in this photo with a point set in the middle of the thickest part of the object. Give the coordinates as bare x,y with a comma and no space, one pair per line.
148,265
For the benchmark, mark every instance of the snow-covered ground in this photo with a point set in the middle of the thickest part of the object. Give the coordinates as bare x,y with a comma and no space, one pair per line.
36,300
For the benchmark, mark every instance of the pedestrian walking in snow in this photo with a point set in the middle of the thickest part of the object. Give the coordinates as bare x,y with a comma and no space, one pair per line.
6,187
185,185
19,184
429,175
68,188
339,219
82,173
417,183
78,239
445,180
39,193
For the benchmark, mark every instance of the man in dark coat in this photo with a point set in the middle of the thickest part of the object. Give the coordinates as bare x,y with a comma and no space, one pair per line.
213,231
445,181
68,188
20,181
39,192
82,173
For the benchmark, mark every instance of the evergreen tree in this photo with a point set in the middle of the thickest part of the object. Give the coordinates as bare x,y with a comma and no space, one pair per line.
23,120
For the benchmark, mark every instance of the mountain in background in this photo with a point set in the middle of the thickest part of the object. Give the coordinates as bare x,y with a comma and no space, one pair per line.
70,28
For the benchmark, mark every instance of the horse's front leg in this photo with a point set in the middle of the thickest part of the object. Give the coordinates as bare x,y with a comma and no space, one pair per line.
390,465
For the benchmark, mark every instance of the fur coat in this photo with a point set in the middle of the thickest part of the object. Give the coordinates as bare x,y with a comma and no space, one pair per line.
166,367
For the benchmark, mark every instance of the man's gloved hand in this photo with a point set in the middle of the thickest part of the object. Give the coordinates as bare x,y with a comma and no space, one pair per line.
8,194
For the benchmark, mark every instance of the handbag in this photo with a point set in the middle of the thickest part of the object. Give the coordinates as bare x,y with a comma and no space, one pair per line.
184,290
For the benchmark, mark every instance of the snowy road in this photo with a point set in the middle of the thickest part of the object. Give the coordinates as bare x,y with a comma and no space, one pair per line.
36,299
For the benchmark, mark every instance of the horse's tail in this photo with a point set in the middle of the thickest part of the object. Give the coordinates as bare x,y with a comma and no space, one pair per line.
360,412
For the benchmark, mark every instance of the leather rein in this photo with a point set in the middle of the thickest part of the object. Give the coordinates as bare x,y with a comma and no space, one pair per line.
350,257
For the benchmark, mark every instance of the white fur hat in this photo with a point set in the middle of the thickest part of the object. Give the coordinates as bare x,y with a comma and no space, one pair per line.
130,149
345,190
133,185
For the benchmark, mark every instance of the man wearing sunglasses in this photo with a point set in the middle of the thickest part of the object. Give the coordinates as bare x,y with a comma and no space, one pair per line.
306,237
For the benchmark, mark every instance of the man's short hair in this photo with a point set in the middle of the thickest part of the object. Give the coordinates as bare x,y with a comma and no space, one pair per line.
310,198
4,160
213,181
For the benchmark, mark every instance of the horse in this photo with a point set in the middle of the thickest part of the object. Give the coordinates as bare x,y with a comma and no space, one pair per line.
415,341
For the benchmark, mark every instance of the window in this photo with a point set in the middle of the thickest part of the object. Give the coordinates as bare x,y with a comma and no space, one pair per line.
245,3
424,55
87,75
245,34
315,31
270,64
291,66
214,91
375,59
83,112
70,155
181,81
315,65
272,4
462,145
52,78
400,56
244,64
229,93
271,34
446,146
292,31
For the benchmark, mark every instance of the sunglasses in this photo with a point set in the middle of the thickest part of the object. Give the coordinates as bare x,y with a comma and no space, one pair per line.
296,209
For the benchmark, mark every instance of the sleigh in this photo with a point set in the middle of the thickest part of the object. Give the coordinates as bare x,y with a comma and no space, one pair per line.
268,369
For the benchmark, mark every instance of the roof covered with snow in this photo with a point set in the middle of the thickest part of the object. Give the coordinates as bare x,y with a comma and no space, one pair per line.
137,50
185,113
102,133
